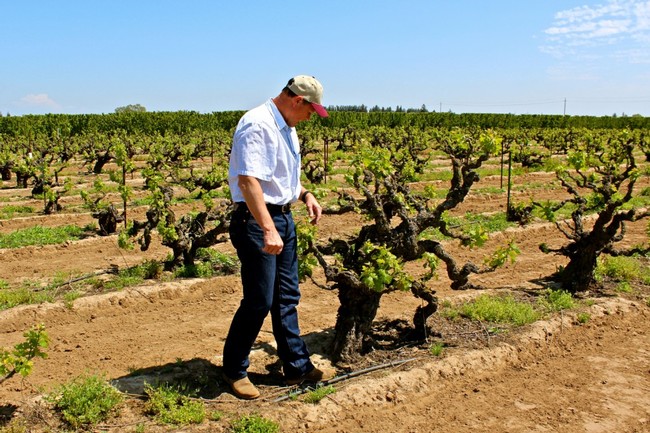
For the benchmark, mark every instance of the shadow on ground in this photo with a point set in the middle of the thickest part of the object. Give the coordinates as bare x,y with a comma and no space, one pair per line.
201,378
6,413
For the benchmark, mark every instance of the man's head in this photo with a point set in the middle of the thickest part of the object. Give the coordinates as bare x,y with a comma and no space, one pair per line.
310,90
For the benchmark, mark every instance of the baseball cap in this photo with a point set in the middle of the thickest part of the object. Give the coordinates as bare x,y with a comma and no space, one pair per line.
309,88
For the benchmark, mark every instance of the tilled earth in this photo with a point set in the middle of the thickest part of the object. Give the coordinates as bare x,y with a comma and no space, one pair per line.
553,376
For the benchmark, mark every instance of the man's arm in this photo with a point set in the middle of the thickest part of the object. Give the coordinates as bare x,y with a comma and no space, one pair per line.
313,207
252,192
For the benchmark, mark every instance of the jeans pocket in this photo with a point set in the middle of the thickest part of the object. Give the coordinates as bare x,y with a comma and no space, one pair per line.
237,229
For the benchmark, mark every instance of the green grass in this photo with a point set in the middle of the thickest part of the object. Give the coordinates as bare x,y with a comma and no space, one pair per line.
496,171
433,175
33,292
209,262
623,287
623,269
490,190
493,223
132,276
39,235
254,424
85,401
319,393
557,300
490,223
197,270
10,298
147,201
171,405
8,212
436,349
495,309
637,202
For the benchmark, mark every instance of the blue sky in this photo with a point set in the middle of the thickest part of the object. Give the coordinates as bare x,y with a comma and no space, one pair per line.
500,56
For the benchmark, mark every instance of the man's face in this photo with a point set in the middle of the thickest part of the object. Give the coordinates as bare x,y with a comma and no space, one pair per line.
302,111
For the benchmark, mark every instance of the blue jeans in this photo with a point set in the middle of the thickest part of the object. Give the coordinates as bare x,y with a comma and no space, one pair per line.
270,283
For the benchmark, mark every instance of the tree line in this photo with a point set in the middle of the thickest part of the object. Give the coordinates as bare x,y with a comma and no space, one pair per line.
179,122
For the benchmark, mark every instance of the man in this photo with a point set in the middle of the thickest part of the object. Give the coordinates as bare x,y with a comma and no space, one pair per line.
264,179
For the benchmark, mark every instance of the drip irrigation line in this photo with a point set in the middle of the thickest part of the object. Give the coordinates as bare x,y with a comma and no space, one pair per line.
74,280
344,377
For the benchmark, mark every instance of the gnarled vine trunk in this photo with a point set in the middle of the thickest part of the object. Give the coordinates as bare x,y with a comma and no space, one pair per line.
356,313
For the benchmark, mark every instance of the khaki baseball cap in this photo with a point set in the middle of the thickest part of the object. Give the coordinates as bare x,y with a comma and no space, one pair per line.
309,88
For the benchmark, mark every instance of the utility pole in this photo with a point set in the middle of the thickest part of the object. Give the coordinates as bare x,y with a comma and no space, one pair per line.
564,114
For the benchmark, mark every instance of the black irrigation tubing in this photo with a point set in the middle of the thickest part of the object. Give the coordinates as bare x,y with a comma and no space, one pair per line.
74,280
344,377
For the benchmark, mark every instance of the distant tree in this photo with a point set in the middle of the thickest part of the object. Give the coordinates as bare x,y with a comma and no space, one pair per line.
131,108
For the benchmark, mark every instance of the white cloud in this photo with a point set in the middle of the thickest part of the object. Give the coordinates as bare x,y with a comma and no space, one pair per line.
621,25
39,100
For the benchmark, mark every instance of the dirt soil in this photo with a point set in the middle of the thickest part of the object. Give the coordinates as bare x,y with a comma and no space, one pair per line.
553,376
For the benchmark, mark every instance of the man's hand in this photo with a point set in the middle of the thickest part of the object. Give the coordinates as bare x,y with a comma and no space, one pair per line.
252,191
313,208
272,242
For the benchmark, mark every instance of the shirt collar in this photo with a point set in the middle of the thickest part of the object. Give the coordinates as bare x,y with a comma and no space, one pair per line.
279,120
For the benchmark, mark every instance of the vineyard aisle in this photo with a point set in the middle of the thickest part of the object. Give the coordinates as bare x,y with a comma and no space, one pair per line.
556,378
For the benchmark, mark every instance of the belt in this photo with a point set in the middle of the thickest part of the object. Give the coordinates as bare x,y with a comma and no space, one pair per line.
272,208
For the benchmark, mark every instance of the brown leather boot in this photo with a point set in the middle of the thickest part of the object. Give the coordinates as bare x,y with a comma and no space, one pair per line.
242,388
316,375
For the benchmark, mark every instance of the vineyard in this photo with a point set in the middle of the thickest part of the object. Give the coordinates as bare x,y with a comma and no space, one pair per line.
114,237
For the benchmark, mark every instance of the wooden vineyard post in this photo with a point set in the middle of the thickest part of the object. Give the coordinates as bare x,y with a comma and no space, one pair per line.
325,157
502,146
509,177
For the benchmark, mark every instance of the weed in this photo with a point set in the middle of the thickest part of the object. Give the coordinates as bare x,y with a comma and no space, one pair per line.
623,268
492,223
8,212
39,235
436,348
319,393
210,263
222,264
623,287
197,270
583,317
70,297
557,300
499,309
215,415
10,298
448,311
15,426
472,225
254,424
85,401
149,269
489,190
170,405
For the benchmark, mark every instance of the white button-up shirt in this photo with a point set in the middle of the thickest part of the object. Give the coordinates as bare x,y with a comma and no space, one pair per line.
266,148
